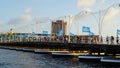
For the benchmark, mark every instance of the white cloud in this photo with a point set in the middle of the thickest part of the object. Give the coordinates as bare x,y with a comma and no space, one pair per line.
20,20
39,19
85,3
25,18
111,13
2,26
26,23
109,24
89,3
102,1
28,10
110,28
82,14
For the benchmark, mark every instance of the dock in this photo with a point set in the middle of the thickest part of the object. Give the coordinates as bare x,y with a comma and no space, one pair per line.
77,47
94,52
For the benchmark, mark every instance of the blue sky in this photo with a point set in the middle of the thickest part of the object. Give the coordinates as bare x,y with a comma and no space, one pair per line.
43,8
20,14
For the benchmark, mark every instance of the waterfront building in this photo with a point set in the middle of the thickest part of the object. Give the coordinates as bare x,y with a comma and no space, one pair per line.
59,25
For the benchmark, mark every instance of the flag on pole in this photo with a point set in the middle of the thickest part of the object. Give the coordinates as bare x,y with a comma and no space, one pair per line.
33,34
91,33
45,32
48,35
60,32
118,32
85,29
71,34
19,36
26,35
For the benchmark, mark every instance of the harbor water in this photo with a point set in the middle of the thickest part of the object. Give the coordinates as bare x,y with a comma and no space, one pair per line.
20,59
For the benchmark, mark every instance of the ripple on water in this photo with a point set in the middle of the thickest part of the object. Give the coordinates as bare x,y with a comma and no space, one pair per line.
19,59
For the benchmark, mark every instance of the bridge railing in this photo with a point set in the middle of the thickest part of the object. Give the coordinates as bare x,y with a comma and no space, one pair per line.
89,40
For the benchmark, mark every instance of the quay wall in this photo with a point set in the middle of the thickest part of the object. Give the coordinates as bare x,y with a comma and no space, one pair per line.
91,48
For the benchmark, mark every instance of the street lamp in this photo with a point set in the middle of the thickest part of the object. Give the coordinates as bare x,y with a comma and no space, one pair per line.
75,17
69,28
101,19
69,21
80,15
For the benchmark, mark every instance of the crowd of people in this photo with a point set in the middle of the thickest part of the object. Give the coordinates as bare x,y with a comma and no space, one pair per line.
68,39
112,40
82,39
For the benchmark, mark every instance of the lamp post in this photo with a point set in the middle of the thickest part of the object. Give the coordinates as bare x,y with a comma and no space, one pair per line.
101,19
106,11
69,21
69,28
78,16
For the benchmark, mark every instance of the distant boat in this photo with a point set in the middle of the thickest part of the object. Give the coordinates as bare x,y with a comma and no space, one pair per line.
42,51
12,48
2,46
5,47
110,60
28,50
19,49
63,54
89,58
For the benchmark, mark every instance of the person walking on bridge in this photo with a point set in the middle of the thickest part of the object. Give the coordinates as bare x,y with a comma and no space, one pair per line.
112,40
107,40
117,40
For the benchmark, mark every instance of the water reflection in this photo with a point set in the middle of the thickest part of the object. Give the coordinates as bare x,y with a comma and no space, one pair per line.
19,59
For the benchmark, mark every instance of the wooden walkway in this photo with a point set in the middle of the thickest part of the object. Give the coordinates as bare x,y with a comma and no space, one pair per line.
90,48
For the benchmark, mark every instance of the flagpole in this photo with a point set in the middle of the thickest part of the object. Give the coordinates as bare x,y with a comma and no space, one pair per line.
69,28
101,19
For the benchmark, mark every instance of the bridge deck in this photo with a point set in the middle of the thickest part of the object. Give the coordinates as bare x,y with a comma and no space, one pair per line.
91,48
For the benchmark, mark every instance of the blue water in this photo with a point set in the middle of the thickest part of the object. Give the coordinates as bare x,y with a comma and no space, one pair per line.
19,59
